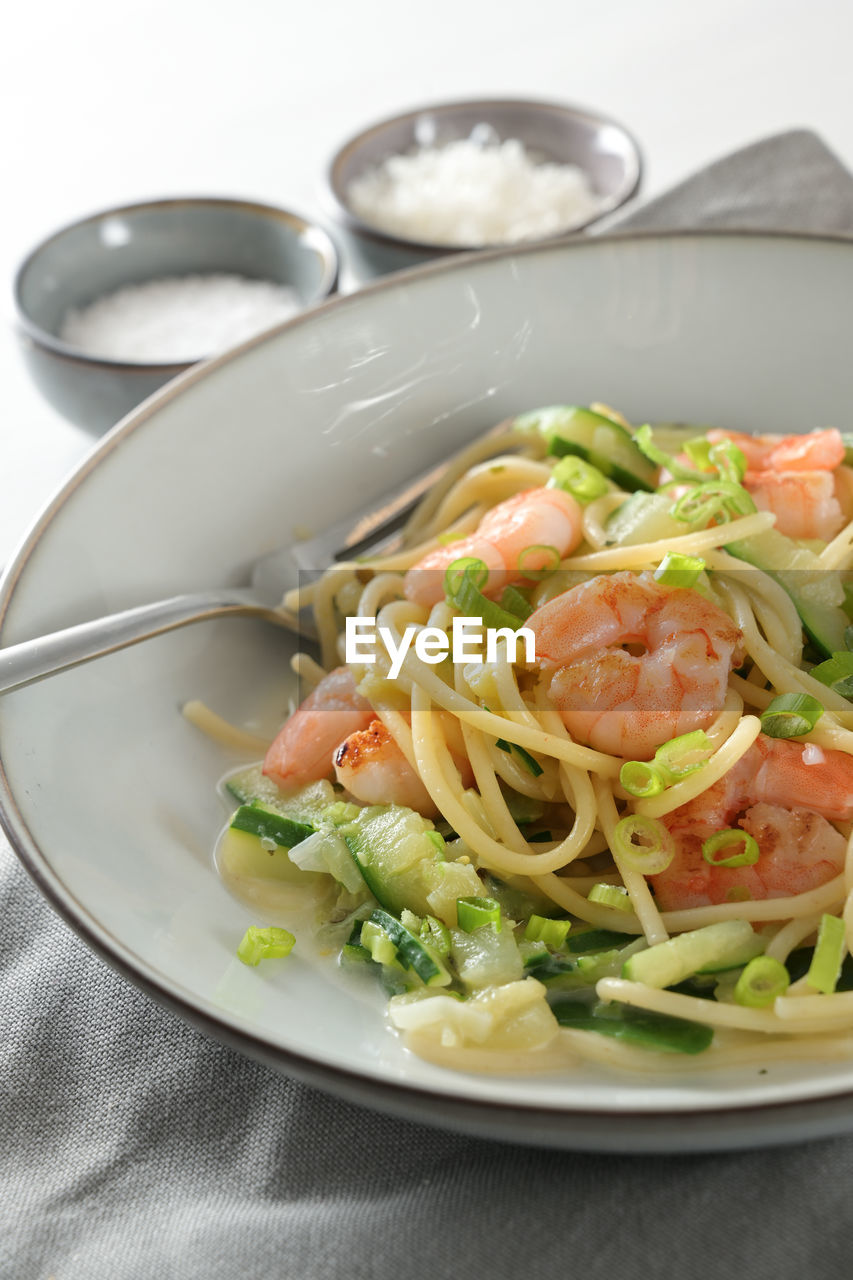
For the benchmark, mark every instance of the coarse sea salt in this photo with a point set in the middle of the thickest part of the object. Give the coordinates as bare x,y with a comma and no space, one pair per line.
177,319
469,194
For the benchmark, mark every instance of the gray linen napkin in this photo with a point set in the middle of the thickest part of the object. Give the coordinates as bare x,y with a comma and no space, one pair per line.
132,1147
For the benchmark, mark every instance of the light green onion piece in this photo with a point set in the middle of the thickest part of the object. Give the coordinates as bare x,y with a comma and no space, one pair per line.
684,755
264,944
837,673
676,570
470,567
729,460
716,500
436,838
537,561
791,715
698,450
644,844
436,934
516,603
610,895
761,982
473,913
644,441
465,576
579,478
641,778
728,839
552,932
828,953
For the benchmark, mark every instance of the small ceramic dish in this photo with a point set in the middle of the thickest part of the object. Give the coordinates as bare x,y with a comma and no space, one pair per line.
604,151
154,240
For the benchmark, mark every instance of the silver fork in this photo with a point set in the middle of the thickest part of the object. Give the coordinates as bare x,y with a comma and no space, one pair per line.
371,529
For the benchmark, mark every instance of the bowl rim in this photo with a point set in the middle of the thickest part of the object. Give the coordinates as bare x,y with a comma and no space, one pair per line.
335,193
321,241
627,1131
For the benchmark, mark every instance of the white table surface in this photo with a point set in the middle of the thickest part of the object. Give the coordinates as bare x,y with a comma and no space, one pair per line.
105,103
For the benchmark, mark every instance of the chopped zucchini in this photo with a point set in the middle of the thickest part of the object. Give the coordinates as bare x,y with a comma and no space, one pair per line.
241,854
712,948
817,593
598,440
409,951
266,823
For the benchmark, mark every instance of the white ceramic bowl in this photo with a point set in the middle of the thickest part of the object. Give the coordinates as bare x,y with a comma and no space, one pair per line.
308,423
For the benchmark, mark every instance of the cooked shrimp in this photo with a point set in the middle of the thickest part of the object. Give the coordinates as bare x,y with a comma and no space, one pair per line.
537,518
794,477
804,502
628,703
302,752
373,769
785,804
814,451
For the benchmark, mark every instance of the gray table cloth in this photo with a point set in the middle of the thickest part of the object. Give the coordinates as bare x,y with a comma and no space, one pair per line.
131,1146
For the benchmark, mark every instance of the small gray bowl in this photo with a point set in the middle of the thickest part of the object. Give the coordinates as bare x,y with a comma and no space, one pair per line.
138,243
603,149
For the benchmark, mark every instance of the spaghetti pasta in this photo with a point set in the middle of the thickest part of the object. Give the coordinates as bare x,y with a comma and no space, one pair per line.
623,797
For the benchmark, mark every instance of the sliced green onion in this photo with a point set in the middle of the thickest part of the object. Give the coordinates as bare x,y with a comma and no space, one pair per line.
716,500
642,778
728,839
610,895
516,603
729,461
552,932
673,758
533,766
828,953
761,982
643,843
471,602
698,450
473,913
676,570
436,838
579,478
837,673
264,944
644,441
791,715
437,934
537,561
466,567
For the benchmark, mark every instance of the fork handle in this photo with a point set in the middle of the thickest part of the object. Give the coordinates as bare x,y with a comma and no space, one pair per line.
22,664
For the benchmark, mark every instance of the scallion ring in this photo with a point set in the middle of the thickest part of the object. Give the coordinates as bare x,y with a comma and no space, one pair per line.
642,778
676,570
728,839
761,982
473,913
644,844
537,561
791,715
579,478
466,567
837,673
610,895
683,755
552,932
